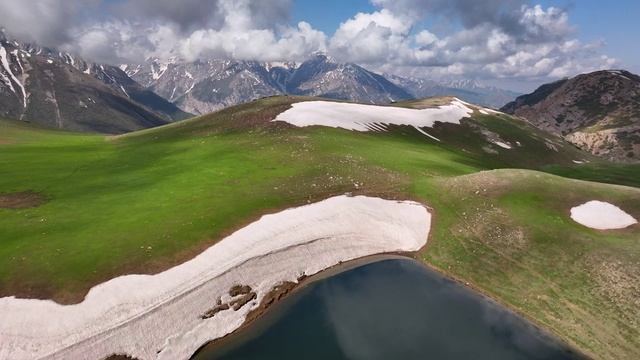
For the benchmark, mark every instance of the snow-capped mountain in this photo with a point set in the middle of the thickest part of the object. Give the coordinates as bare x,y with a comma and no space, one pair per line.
65,91
204,86
323,76
60,90
465,89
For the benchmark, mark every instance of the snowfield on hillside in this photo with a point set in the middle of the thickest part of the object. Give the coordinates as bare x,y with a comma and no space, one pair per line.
602,216
162,316
361,117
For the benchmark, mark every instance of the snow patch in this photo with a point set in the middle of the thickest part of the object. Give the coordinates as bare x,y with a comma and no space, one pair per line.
289,65
427,134
490,111
16,54
359,117
618,73
7,68
159,316
124,91
601,215
502,144
158,74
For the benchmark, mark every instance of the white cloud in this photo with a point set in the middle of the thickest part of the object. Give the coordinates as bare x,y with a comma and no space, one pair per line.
495,39
44,21
253,44
517,41
425,38
544,25
240,30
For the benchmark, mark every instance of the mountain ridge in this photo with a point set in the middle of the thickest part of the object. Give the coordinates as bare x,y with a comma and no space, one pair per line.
203,86
598,112
63,91
159,89
466,89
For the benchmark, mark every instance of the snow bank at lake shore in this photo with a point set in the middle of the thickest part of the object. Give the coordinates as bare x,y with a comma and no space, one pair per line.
361,117
160,316
601,215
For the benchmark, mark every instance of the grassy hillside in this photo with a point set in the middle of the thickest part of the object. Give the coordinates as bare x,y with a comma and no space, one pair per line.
80,209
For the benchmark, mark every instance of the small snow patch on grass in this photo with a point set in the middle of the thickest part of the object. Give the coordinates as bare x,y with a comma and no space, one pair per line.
601,215
502,144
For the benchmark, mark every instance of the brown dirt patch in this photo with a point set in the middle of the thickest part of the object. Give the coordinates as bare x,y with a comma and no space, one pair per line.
120,357
275,295
21,200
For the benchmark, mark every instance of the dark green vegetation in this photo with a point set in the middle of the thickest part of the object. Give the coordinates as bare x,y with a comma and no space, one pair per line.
149,200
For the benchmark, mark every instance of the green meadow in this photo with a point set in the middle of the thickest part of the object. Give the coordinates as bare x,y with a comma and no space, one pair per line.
146,201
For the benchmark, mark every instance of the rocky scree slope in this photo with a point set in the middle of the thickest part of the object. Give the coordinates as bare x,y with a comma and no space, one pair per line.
598,112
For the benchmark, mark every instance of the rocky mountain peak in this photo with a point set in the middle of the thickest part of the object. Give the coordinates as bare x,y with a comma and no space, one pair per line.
62,90
598,111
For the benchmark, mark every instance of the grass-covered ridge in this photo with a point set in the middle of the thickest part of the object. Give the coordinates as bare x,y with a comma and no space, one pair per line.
148,200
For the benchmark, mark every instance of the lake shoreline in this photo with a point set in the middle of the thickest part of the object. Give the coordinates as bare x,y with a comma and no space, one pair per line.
299,286
165,317
370,259
518,312
255,329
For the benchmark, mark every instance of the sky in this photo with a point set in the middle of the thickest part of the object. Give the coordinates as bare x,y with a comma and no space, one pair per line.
515,44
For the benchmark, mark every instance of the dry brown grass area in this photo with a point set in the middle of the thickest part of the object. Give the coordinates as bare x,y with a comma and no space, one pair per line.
511,237
21,200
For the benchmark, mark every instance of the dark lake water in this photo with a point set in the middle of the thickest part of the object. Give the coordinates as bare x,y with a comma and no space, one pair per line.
390,309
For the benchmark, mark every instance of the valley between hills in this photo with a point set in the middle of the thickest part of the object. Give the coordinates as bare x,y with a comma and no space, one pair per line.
319,180
494,194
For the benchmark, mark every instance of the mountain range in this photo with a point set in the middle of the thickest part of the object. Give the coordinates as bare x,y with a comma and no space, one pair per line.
62,90
598,112
468,90
59,90
203,86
